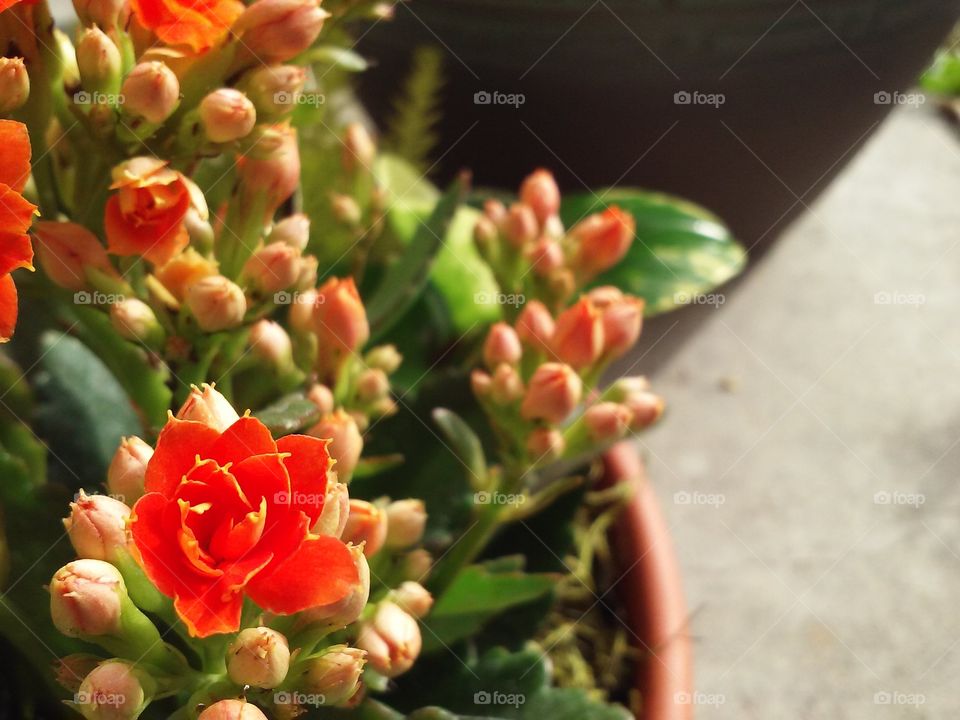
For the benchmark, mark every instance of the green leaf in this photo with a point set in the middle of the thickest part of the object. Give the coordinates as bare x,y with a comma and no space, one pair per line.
943,76
84,412
410,198
464,443
334,56
405,279
288,414
370,466
681,250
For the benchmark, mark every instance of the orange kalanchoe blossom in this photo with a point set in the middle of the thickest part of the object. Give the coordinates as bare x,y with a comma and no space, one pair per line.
16,214
196,24
227,513
145,216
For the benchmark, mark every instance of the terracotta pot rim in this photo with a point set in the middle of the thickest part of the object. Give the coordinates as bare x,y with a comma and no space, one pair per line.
652,590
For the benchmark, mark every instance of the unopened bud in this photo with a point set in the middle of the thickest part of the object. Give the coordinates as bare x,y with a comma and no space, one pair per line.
270,343
520,225
578,337
151,91
134,320
67,251
359,150
114,690
232,710
301,311
384,357
259,657
372,385
535,326
14,84
346,442
622,319
339,318
270,172
552,394
72,669
322,397
347,610
603,239
545,257
336,511
480,383
216,303
406,521
293,230
501,346
335,674
539,191
128,468
273,88
366,523
414,598
208,406
345,209
607,421
277,30
99,12
417,565
392,640
485,236
98,60
273,267
182,271
227,115
507,386
86,598
645,408
97,526
545,444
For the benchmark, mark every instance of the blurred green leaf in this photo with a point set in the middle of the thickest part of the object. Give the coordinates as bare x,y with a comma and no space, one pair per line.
464,443
288,414
334,56
680,250
943,76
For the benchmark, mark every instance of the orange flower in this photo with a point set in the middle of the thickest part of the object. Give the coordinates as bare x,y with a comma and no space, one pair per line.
228,514
145,217
16,214
198,24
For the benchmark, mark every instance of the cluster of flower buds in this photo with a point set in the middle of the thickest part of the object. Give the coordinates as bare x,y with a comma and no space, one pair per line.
542,369
533,255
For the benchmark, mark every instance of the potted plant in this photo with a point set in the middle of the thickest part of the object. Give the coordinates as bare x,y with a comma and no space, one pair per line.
286,430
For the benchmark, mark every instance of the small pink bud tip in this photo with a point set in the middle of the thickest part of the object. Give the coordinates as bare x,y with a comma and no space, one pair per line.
270,173
366,523
232,710
97,526
578,338
384,357
540,192
507,386
336,510
72,669
208,406
414,598
607,421
645,407
270,343
99,12
359,149
86,598
602,239
392,640
227,115
114,690
481,383
128,468
346,442
134,320
322,397
293,230
273,89
372,385
520,225
348,610
67,250
622,319
345,209
151,91
335,674
301,311
278,30
98,60
216,303
14,84
259,657
545,257
502,346
535,326
339,315
406,521
418,564
552,394
545,444
273,268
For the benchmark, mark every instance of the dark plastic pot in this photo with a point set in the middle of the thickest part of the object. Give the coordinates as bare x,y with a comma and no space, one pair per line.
653,592
599,79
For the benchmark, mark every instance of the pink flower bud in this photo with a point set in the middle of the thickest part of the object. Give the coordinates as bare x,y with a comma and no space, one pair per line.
114,690
345,209
273,267
128,468
86,598
72,669
540,192
335,674
216,303
14,84
208,406
359,150
392,640
495,210
339,318
227,115
507,386
607,421
259,657
278,30
271,172
372,385
501,346
535,326
336,511
545,444
413,598
99,12
406,521
346,442
602,239
270,343
417,564
232,710
384,357
67,250
545,257
552,393
348,610
273,88
481,383
293,230
485,237
151,91
301,311
97,526
98,60
645,408
366,523
520,225
307,277
578,338
322,397
134,320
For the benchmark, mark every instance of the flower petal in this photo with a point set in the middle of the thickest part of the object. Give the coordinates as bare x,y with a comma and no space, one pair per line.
209,610
179,445
320,572
8,307
153,527
246,437
14,153
307,465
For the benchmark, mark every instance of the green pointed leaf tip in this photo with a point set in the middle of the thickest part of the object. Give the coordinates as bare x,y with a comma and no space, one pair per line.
464,443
